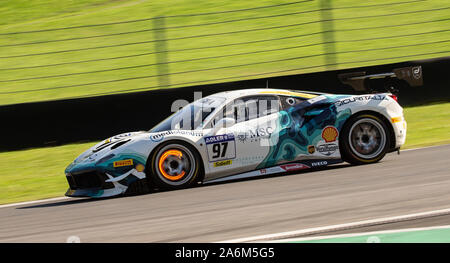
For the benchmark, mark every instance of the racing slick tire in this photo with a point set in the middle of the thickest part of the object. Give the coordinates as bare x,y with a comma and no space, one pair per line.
364,139
174,165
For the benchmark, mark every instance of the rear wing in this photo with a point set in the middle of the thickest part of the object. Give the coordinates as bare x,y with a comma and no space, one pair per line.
357,80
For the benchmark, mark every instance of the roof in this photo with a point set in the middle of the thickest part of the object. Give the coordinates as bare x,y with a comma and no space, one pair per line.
230,95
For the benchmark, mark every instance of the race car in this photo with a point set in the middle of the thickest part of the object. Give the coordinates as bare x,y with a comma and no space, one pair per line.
240,134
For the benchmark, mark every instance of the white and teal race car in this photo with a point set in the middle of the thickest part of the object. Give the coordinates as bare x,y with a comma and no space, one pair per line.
240,134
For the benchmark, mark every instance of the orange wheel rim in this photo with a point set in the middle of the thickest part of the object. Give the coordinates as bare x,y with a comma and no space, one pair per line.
170,154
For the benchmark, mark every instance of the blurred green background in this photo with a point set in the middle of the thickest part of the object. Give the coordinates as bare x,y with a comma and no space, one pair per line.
247,39
40,40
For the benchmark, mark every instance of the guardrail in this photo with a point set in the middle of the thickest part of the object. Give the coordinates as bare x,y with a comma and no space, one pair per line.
324,37
94,118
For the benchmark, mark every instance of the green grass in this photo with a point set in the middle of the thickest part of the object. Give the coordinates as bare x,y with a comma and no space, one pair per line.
36,173
21,15
427,125
39,173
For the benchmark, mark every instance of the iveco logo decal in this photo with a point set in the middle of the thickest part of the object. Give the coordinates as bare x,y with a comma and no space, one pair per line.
319,163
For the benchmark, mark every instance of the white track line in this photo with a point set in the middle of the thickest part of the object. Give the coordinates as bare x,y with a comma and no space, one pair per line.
426,147
360,234
339,227
34,202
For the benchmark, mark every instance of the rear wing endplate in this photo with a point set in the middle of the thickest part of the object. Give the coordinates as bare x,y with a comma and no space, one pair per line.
412,75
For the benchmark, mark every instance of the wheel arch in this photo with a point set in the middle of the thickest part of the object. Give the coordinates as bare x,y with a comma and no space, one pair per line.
392,139
185,143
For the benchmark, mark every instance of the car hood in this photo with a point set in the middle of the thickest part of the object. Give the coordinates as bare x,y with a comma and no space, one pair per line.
104,148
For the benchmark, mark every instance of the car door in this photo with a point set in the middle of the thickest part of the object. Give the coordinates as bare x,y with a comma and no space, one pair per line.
245,144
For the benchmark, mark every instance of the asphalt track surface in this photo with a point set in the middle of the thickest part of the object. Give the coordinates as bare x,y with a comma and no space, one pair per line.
415,181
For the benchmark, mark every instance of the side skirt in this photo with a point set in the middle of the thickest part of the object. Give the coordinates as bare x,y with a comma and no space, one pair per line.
283,168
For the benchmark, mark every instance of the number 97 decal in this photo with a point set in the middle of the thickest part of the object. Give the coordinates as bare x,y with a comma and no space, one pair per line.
221,147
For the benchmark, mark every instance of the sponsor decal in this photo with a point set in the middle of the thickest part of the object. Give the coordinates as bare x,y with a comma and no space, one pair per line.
157,137
220,147
255,135
294,167
322,163
271,170
140,168
123,163
242,137
219,138
222,163
360,98
311,149
330,133
327,148
261,132
160,136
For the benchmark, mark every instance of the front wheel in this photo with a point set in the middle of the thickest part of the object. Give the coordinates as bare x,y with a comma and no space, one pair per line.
174,166
364,139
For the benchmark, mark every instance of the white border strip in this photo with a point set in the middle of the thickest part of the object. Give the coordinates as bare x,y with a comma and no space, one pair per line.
360,234
339,227
35,202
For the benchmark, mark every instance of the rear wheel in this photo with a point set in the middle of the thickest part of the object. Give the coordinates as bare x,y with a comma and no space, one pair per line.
364,139
174,166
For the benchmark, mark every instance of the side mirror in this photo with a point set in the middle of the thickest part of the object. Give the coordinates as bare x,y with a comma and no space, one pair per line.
223,123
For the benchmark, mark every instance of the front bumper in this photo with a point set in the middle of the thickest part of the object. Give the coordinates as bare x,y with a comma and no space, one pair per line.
91,184
98,182
93,192
102,176
88,179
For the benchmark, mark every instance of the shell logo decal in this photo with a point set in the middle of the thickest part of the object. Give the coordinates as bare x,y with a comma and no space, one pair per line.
329,134
140,168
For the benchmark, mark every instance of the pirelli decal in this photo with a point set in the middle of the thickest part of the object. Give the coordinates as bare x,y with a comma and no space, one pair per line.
123,163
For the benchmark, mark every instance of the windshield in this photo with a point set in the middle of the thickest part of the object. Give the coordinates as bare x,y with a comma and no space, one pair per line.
191,116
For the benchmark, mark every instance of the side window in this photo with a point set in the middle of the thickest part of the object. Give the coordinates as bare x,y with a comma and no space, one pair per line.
269,105
231,110
248,108
251,108
235,110
287,102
